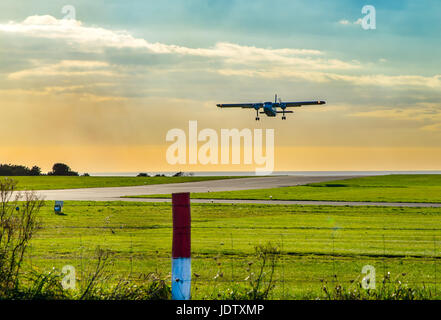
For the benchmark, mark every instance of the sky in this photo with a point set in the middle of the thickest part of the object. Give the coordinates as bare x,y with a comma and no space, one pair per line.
100,89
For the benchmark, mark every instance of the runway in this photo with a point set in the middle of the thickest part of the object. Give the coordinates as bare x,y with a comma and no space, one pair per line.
115,193
112,193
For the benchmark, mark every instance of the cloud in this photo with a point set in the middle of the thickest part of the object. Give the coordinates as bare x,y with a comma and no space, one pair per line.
248,61
96,38
65,68
419,112
346,22
433,82
81,92
428,115
432,127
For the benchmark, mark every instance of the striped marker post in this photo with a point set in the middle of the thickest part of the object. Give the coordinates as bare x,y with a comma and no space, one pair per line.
181,249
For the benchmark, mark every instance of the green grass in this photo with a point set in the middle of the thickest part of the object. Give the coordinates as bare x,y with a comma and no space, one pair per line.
390,188
61,182
317,242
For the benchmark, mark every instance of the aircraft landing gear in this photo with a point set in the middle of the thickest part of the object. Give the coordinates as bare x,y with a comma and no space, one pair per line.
257,118
257,115
283,114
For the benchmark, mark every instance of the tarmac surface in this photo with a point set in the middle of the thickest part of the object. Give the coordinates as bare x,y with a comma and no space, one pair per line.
112,193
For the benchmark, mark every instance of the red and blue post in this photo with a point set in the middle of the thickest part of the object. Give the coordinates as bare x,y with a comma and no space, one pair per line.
181,248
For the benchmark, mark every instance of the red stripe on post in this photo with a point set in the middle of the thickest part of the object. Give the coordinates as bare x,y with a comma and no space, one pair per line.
181,225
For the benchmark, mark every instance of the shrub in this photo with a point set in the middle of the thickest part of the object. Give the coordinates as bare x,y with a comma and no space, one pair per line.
143,174
260,282
18,223
388,289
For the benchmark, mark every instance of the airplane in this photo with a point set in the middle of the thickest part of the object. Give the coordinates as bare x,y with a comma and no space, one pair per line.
270,108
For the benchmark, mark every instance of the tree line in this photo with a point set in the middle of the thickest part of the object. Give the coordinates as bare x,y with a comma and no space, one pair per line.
58,169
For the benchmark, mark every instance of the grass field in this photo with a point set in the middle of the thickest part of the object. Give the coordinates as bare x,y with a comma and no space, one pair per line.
317,242
390,188
61,182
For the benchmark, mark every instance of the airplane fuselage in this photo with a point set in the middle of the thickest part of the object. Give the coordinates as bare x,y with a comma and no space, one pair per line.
269,109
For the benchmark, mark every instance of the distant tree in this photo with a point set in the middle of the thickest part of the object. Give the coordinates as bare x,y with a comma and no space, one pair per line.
86,174
178,174
18,170
143,174
35,171
61,169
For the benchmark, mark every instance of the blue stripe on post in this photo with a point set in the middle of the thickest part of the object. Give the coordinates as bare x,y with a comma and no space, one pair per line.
181,278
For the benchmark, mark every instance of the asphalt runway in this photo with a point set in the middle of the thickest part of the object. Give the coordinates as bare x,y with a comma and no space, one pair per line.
112,193
115,193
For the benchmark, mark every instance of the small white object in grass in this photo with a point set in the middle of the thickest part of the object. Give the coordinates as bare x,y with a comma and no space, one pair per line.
271,197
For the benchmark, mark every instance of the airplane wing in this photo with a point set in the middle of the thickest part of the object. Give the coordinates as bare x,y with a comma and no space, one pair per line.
240,105
303,103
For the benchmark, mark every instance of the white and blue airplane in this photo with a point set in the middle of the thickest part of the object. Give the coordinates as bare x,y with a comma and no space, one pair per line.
270,108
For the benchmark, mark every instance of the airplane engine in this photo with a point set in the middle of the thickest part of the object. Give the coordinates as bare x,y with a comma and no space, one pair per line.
283,107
